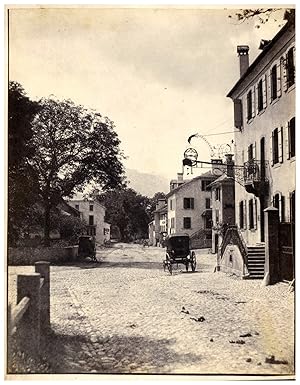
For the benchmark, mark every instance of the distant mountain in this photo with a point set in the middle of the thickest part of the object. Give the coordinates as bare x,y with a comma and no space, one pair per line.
146,184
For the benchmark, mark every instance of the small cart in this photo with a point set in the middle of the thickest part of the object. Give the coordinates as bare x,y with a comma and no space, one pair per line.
178,251
87,247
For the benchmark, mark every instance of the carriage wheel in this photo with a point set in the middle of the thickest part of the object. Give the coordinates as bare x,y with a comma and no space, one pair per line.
193,262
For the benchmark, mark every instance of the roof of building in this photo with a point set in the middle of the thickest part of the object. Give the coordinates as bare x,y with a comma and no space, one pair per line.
261,56
206,175
64,206
161,209
224,178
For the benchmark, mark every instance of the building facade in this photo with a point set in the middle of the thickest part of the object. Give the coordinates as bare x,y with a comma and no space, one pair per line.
264,117
160,222
93,213
189,209
222,204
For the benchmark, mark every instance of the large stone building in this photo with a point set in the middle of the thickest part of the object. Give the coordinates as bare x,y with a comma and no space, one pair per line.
264,117
189,209
93,213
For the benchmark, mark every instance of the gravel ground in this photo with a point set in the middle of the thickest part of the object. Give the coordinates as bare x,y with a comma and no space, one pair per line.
126,315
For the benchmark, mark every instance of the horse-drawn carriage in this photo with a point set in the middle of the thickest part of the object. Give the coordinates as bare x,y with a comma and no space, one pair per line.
178,251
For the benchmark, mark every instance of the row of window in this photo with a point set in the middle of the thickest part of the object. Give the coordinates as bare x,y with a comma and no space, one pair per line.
277,152
91,207
251,220
189,203
277,142
269,88
278,201
187,223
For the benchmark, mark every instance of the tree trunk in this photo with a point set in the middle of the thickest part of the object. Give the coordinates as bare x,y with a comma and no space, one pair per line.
47,224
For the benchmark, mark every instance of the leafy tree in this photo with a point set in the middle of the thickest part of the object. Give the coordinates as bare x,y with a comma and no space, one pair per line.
71,227
127,210
263,15
73,146
154,201
22,189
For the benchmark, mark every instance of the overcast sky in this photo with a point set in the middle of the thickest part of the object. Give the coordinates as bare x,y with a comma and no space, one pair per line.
160,75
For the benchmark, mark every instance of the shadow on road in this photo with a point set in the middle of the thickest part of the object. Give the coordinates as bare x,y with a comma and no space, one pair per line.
116,354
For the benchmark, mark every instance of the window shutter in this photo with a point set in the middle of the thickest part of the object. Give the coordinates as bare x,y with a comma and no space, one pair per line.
254,150
279,76
249,212
270,86
271,148
287,140
245,214
184,203
256,93
282,208
238,113
280,145
283,61
255,213
253,101
192,203
294,56
264,87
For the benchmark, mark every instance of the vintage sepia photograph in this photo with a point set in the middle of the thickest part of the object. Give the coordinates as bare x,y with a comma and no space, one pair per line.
151,177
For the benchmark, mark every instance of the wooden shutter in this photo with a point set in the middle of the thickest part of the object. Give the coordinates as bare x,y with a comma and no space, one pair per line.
254,150
270,85
245,214
264,90
253,101
281,208
283,62
271,148
255,213
278,75
287,139
256,93
238,113
192,203
280,145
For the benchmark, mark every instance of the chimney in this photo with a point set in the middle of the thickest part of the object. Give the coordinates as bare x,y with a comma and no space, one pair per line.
242,51
179,177
160,203
229,162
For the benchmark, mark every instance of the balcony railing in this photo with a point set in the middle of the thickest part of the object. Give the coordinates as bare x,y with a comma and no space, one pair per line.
255,171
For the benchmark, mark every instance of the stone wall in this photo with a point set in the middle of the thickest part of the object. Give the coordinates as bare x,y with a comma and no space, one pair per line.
30,255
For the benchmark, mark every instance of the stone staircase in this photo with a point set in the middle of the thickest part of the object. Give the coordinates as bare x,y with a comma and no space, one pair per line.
256,261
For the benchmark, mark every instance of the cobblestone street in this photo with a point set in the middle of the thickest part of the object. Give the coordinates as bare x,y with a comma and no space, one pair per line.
126,315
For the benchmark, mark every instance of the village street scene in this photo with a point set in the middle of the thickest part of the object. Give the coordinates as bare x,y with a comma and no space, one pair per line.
151,195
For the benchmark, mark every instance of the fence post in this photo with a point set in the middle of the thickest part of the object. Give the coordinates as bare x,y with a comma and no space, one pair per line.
43,268
28,285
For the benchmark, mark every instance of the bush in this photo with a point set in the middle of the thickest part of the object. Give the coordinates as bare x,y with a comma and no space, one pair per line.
71,228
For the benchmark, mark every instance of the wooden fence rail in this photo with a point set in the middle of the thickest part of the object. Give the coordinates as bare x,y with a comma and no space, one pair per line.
29,320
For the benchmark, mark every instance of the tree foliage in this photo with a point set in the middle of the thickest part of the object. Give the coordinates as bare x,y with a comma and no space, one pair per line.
55,148
127,210
154,201
71,228
263,15
74,146
22,189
